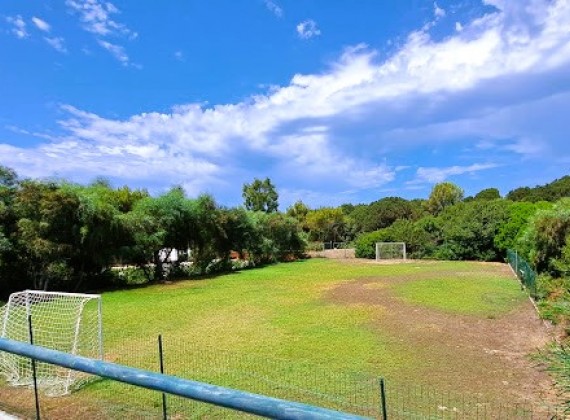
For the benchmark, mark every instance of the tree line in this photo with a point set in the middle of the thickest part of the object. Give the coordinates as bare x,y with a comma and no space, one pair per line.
63,236
534,221
59,235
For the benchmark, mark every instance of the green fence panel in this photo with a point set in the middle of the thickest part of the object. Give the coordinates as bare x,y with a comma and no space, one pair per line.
524,272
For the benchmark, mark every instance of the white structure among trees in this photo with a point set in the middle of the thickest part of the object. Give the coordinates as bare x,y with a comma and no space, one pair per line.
390,251
68,322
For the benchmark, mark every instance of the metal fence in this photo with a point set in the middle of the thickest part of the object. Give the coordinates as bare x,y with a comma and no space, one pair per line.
334,250
355,393
245,402
524,272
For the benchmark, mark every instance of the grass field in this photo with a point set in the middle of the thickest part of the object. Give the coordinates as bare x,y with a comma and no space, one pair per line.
458,326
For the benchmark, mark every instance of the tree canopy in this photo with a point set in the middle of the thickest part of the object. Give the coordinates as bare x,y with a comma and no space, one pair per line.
260,195
443,195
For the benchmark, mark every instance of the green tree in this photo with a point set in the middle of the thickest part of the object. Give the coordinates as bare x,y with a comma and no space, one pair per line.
552,191
519,214
11,274
159,225
47,227
365,244
443,195
326,224
468,230
299,211
488,194
546,241
260,196
382,213
277,237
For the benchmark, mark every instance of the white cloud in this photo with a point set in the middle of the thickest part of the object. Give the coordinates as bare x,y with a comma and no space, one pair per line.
96,17
116,50
308,29
337,128
274,8
179,55
435,175
458,26
57,43
18,26
438,12
42,25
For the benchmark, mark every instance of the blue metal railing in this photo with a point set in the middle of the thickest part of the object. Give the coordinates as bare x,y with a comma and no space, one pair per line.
224,397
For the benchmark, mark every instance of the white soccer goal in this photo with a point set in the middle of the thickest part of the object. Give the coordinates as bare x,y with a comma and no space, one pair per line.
390,251
68,322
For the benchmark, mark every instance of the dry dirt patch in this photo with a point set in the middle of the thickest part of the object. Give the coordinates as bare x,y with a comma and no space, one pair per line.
459,352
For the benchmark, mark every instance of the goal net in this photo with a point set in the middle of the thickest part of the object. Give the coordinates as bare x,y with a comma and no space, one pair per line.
68,322
390,251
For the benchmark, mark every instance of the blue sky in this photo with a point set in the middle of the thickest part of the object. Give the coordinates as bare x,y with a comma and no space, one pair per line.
335,101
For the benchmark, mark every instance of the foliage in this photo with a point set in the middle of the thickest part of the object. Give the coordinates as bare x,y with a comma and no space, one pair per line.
488,194
420,242
443,195
517,219
260,196
68,236
383,213
468,230
277,237
365,244
552,191
462,231
557,358
326,224
546,241
299,211
554,304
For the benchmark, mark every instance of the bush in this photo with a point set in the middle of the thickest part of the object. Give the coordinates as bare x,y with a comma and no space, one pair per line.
365,244
128,276
554,296
468,230
546,241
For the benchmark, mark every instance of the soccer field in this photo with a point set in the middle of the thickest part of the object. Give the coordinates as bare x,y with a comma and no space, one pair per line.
302,327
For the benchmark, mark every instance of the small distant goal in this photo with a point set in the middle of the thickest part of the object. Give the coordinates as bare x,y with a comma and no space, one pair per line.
390,251
68,322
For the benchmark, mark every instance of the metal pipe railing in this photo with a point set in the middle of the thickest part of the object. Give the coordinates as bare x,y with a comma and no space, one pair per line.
224,397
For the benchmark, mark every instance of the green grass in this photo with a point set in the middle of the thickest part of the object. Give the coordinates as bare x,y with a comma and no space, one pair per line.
280,311
278,323
275,311
486,296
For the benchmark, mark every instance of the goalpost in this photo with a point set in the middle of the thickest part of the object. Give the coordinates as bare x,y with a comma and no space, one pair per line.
68,322
390,251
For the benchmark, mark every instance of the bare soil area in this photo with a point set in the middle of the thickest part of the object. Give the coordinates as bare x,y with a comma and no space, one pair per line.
462,353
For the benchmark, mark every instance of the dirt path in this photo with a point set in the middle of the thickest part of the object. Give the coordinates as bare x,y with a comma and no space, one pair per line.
459,352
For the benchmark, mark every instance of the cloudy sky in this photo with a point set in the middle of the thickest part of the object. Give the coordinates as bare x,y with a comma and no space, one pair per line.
335,101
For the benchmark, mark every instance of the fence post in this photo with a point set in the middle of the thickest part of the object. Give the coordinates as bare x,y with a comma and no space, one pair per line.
161,361
34,376
383,399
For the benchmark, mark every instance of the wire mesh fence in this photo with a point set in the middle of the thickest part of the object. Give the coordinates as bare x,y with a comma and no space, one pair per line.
304,382
524,272
334,250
